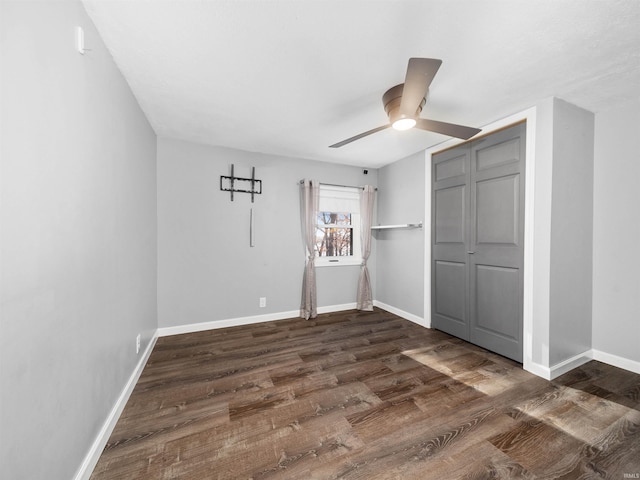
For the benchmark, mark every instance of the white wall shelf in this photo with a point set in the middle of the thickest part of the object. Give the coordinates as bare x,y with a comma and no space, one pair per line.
404,225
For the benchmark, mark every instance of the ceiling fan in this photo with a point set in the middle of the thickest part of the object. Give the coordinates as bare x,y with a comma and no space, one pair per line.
403,104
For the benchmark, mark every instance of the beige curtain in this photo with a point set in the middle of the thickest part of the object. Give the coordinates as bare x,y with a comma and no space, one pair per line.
365,296
309,199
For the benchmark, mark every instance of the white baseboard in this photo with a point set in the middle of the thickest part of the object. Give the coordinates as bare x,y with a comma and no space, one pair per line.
570,363
617,361
231,322
549,373
93,455
235,322
537,369
338,308
401,313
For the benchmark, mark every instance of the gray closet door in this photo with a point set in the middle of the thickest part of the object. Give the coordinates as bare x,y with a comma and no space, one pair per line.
477,241
450,226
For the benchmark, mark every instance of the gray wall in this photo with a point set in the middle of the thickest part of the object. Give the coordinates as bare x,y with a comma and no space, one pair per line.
78,240
206,269
563,223
400,253
571,232
616,283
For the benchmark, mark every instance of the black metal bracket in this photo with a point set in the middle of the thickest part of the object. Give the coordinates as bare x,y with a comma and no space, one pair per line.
254,187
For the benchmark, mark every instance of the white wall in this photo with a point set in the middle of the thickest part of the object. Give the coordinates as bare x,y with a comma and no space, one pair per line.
539,232
571,232
616,233
400,253
206,269
78,240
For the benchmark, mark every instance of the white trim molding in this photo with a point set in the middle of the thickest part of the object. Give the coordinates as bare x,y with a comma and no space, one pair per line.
570,363
577,360
550,373
337,308
235,322
93,455
616,361
231,322
401,313
426,229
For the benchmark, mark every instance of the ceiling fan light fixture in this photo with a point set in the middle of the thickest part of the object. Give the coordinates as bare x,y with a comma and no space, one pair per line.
404,123
404,102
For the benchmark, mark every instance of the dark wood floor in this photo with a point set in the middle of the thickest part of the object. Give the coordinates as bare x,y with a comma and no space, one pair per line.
363,396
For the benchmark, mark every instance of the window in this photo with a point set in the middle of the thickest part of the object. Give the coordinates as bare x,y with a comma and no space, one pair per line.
338,226
334,234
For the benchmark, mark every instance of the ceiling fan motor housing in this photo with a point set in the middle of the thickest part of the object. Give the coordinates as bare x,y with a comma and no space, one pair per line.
391,100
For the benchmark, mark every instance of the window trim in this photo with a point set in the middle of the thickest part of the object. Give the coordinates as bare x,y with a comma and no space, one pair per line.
356,226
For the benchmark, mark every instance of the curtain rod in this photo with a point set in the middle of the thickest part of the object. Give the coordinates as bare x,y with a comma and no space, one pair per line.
336,185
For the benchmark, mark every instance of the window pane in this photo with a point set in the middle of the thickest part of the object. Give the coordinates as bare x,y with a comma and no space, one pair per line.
334,218
334,242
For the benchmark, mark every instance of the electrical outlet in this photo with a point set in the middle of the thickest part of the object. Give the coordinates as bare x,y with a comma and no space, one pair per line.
263,302
138,344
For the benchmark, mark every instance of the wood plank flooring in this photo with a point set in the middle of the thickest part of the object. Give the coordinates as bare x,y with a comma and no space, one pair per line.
359,395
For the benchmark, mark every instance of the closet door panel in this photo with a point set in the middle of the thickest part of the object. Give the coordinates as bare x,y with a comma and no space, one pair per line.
496,233
497,210
496,300
450,225
451,285
450,215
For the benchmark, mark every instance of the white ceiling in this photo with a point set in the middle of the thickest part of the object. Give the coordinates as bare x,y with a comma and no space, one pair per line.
292,77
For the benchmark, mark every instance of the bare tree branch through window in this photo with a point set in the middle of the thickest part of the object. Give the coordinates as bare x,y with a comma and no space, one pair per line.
334,234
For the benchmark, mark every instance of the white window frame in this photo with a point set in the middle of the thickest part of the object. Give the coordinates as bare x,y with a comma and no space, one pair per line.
342,200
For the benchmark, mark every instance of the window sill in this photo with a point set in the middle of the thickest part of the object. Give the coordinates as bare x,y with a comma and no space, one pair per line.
340,263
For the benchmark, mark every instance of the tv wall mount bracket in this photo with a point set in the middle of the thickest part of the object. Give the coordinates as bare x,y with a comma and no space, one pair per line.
234,184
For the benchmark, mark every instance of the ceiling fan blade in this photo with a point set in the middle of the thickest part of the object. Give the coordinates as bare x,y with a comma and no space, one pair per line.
451,129
357,137
420,73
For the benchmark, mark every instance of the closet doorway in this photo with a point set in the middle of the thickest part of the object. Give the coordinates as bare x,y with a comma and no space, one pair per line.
477,244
